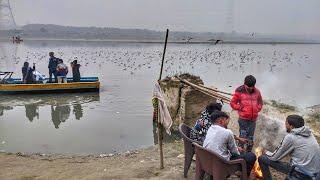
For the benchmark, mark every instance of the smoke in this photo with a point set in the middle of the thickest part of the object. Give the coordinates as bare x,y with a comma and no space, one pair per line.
269,131
270,128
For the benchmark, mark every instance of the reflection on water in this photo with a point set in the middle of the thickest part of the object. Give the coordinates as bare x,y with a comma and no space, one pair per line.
77,111
4,108
60,105
32,111
59,114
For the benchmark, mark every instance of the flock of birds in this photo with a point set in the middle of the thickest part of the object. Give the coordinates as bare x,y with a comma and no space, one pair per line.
179,59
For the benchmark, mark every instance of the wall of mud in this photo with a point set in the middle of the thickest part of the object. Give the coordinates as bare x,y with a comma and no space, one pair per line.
185,104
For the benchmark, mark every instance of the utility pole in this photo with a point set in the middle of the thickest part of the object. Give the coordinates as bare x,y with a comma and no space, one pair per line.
7,21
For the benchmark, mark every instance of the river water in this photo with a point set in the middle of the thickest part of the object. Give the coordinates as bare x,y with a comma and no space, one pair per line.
119,118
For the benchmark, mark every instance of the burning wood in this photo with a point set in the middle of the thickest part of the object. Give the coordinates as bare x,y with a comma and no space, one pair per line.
256,167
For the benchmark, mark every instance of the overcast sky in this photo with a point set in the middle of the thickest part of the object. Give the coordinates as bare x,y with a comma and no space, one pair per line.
261,16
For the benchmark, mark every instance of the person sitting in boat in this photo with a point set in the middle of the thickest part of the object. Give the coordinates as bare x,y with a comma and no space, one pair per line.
27,73
62,71
75,71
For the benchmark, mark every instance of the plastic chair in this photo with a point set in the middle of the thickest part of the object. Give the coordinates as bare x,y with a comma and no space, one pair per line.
188,147
210,162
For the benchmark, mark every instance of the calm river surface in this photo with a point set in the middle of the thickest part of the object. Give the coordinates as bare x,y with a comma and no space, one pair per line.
119,117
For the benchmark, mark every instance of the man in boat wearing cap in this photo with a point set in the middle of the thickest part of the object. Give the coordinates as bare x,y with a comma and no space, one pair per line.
248,102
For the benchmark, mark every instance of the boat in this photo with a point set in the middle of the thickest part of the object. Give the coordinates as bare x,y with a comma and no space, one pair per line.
15,86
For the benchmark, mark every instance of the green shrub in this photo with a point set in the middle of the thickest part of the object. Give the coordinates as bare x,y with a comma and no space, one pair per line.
282,107
315,116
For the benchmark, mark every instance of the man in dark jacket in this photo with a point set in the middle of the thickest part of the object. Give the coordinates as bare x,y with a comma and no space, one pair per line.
248,102
75,71
303,148
53,62
27,73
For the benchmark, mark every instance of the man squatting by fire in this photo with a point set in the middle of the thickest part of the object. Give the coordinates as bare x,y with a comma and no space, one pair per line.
303,148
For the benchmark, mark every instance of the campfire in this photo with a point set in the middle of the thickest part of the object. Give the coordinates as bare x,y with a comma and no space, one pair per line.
256,167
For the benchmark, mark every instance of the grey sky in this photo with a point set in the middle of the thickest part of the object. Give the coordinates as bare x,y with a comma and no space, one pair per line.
262,16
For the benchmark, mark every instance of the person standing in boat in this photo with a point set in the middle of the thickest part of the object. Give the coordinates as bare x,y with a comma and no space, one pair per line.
27,73
75,71
52,67
62,71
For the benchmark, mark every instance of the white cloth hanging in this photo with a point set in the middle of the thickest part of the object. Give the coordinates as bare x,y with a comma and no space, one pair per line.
164,118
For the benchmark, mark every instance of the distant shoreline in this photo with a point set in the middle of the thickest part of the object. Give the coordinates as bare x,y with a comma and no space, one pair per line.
2,39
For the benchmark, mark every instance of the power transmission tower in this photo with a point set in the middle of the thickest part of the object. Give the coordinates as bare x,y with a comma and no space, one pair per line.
230,15
7,21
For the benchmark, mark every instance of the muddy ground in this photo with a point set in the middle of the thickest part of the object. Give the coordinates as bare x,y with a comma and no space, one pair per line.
142,164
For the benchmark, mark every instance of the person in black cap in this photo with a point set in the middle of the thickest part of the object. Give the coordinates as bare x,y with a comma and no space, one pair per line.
221,140
247,100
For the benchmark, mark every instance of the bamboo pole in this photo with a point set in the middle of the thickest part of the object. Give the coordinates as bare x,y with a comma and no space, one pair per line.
207,91
216,90
160,127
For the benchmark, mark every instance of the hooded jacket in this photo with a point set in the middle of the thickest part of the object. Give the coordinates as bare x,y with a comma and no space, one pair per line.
303,148
247,104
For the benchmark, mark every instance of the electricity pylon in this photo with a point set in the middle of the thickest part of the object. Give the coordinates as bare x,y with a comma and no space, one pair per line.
7,21
230,16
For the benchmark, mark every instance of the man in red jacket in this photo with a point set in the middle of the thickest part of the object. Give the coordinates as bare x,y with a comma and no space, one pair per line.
247,101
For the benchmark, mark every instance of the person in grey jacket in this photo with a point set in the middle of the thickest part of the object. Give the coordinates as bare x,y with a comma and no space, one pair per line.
300,144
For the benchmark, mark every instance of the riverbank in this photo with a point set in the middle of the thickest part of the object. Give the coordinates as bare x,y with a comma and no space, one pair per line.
139,164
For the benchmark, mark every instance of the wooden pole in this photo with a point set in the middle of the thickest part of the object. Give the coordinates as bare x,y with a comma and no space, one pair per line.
164,53
159,127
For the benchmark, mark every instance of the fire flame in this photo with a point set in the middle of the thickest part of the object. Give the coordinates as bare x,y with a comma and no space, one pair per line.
256,167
